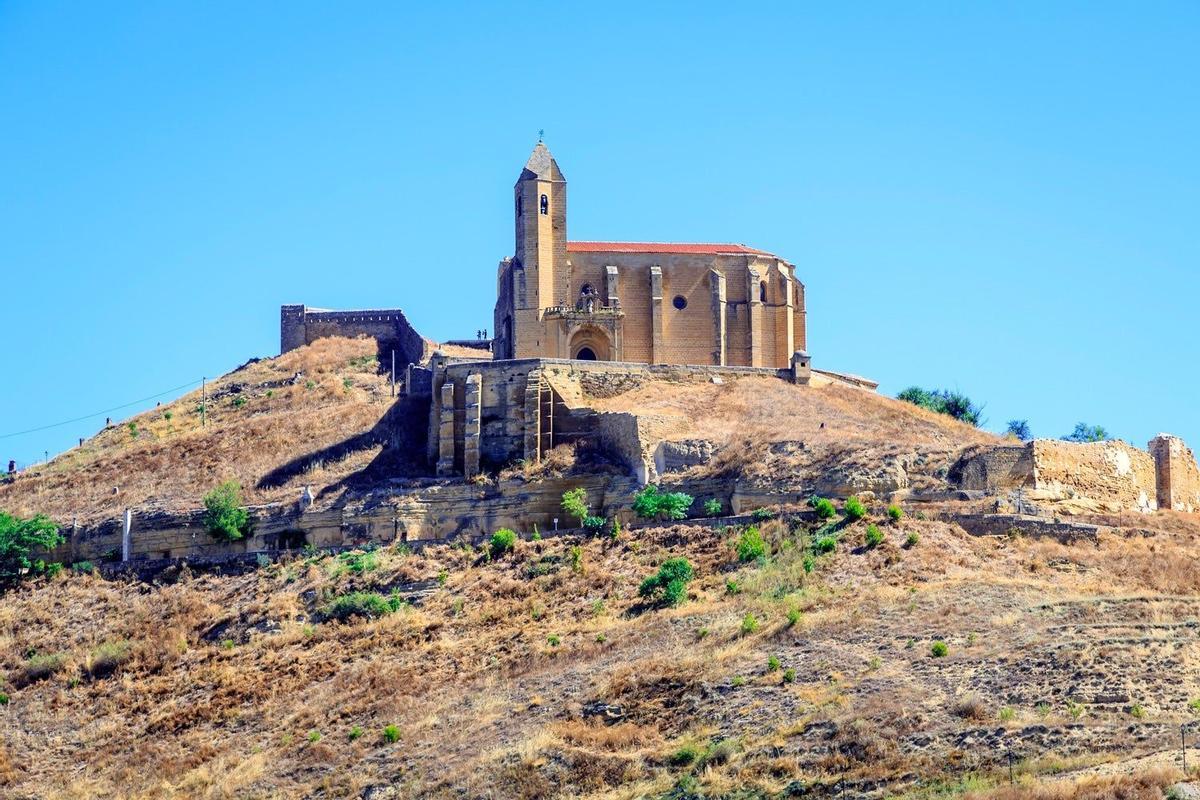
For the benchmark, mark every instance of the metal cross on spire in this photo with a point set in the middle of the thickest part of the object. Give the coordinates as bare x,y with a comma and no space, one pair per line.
541,134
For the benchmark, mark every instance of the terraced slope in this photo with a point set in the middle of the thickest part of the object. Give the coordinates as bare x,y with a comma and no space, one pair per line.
542,673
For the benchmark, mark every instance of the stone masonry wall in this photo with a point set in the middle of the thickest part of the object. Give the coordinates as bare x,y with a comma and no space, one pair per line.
300,325
1114,475
1177,473
430,510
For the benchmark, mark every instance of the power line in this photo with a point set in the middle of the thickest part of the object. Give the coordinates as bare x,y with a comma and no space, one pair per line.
98,413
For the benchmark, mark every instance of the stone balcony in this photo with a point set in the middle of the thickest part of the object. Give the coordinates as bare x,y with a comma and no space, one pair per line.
572,314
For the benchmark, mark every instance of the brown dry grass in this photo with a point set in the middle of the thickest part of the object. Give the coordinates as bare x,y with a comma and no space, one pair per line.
225,678
171,463
837,425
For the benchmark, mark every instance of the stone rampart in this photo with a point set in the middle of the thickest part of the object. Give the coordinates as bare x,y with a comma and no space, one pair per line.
300,325
427,511
1176,472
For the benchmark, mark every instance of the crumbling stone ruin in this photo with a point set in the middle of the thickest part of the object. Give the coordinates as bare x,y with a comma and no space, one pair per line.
1105,477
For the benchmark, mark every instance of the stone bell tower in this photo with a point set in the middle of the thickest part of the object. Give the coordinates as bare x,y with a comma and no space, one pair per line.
539,267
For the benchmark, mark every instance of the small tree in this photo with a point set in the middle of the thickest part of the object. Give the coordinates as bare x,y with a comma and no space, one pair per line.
502,542
224,515
1087,433
1019,429
669,584
575,504
750,545
855,510
18,538
944,401
650,503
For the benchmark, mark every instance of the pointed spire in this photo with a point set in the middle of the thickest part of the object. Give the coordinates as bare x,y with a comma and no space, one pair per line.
541,164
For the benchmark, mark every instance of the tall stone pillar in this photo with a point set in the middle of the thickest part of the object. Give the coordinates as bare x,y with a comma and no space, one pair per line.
789,299
755,315
472,405
533,417
657,350
610,288
717,283
127,535
445,464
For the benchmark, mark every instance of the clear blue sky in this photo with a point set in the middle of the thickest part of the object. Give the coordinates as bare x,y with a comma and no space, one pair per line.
1000,198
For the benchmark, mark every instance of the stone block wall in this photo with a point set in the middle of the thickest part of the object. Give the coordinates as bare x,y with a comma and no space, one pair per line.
1177,474
300,325
1114,475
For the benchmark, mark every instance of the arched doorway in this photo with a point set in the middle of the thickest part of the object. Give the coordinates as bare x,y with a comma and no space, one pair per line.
590,344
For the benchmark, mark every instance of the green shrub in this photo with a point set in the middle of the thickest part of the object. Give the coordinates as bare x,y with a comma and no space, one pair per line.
108,657
314,736
669,584
359,562
895,514
167,415
442,577
738,680
823,507
650,503
912,539
809,563
749,623
367,605
944,401
1087,433
224,515
133,430
750,545
713,507
854,508
20,537
355,733
873,537
594,525
763,514
3,699
684,756
239,401
789,675
575,558
793,616
39,667
391,734
826,544
772,663
553,640
939,649
502,542
83,566
574,502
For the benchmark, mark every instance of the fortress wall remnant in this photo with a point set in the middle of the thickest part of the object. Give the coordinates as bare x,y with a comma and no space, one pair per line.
1114,475
427,511
525,407
300,325
1177,474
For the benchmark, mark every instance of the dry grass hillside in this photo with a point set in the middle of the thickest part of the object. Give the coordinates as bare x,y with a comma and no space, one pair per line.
542,673
312,416
769,430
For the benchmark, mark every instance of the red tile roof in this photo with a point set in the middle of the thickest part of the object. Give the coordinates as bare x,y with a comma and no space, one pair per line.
662,247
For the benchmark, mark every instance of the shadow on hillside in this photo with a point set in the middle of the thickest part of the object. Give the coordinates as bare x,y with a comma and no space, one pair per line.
400,431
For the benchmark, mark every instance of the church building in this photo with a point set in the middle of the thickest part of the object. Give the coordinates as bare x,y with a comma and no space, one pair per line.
647,302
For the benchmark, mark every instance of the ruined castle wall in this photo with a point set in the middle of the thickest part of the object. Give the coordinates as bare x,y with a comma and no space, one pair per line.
994,468
1177,473
1113,475
300,325
429,511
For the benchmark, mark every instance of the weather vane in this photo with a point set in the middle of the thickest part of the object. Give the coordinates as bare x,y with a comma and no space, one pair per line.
541,133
